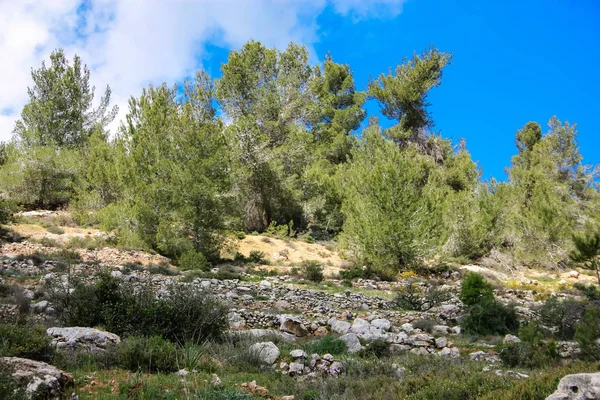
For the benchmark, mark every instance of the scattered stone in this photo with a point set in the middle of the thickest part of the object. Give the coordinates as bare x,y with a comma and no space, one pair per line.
381,323
441,342
352,342
267,352
236,321
215,380
509,339
339,327
296,354
296,369
292,324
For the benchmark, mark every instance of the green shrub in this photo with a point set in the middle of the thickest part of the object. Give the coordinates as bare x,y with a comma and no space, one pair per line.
587,334
347,283
532,351
193,260
313,271
327,344
490,318
377,348
561,317
307,237
592,292
356,273
529,356
147,354
26,341
184,313
257,257
475,289
416,296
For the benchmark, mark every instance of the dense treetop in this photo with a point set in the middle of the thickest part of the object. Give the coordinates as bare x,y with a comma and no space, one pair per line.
287,149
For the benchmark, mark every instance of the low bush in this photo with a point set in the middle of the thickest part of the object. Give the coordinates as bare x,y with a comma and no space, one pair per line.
418,296
532,352
193,260
327,344
357,273
490,318
377,348
26,341
147,354
313,271
475,289
592,292
587,334
257,257
560,318
184,313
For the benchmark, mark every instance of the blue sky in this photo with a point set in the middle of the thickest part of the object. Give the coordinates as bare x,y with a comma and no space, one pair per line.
514,62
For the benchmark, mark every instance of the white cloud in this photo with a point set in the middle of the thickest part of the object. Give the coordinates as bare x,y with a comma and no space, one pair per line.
130,43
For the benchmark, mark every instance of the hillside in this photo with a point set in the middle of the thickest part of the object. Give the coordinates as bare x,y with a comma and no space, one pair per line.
278,335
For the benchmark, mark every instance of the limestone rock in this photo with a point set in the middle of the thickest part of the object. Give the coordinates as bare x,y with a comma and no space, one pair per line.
39,379
339,327
578,387
267,352
381,323
296,354
509,339
352,342
77,339
293,325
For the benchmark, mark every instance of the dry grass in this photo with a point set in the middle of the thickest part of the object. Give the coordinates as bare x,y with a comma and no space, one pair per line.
284,255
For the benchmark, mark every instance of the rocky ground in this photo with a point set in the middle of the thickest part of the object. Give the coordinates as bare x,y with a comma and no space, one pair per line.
284,309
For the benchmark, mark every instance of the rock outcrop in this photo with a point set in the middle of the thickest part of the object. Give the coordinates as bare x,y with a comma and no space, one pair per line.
578,387
40,380
82,339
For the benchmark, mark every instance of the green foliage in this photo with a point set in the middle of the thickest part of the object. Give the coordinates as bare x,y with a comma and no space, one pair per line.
257,257
419,296
475,290
592,292
312,270
532,352
490,317
147,354
192,260
377,348
39,176
23,340
587,334
561,317
587,250
327,344
59,112
183,314
403,95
